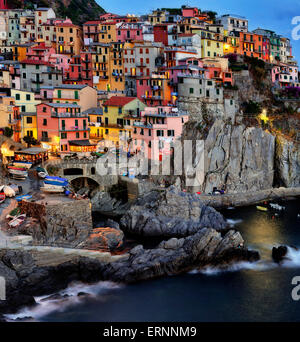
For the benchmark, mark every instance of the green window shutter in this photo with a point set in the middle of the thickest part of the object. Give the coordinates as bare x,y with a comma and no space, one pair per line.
59,94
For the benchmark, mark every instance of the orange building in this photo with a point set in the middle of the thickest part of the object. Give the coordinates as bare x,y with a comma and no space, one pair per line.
251,44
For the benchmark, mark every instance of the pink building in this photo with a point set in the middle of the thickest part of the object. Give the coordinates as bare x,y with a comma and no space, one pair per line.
285,75
63,127
129,31
157,129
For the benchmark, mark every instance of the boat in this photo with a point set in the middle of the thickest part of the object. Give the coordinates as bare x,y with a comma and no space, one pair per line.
258,207
18,173
14,213
53,188
18,177
17,221
23,197
56,181
42,175
18,168
2,197
277,206
22,163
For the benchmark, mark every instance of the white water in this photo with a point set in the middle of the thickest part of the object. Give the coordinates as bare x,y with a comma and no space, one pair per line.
232,222
292,260
46,304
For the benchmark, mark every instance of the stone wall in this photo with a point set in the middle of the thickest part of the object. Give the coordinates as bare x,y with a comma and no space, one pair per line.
65,224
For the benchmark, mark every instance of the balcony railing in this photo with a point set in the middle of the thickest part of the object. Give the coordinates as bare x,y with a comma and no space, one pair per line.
45,139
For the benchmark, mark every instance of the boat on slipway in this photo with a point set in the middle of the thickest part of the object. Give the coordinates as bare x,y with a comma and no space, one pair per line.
56,181
22,163
52,188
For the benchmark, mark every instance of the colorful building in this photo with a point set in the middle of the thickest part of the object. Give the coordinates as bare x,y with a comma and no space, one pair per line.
62,127
156,130
27,103
114,111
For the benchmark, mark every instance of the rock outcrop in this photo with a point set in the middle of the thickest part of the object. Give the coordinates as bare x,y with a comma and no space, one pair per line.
279,253
238,157
170,213
104,238
287,162
26,279
103,203
79,11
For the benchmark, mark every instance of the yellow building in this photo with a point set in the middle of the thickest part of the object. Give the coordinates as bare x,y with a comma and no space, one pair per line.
26,102
114,111
211,41
108,66
107,32
95,122
68,39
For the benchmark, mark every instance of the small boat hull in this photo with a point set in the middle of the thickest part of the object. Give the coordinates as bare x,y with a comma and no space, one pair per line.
24,164
2,197
260,208
23,197
17,221
58,189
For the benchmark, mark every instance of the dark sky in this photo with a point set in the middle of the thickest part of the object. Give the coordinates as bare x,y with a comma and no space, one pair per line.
271,14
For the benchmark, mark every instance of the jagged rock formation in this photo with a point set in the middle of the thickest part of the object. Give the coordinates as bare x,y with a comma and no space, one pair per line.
287,162
170,213
239,157
25,278
79,11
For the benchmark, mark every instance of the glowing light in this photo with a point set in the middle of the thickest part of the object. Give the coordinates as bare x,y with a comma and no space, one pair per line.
263,116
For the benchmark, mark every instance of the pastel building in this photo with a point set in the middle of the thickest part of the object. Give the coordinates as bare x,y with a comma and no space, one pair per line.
284,75
80,94
114,111
156,130
26,101
63,127
129,31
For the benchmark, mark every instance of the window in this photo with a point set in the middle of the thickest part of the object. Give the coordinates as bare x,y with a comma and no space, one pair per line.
77,135
191,90
171,133
120,110
29,119
59,94
63,135
27,97
17,97
23,109
44,122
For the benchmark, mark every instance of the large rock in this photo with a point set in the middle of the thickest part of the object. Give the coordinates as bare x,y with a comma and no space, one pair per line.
170,213
206,247
279,253
238,157
105,238
288,162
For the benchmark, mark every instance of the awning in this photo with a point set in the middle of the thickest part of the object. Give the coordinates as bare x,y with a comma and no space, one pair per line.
80,143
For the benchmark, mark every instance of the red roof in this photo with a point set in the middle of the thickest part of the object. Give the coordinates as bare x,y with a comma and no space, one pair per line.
92,22
118,101
36,62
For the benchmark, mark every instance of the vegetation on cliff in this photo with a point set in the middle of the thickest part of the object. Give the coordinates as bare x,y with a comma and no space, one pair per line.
79,11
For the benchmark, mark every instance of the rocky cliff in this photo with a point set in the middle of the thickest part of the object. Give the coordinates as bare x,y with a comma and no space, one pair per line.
79,11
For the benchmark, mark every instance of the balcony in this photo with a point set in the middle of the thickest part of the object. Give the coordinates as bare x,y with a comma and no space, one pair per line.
45,139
